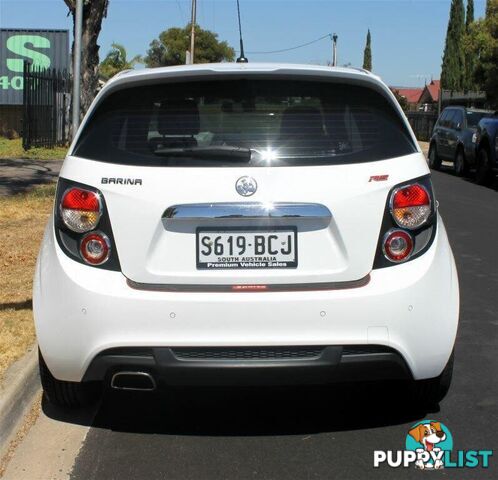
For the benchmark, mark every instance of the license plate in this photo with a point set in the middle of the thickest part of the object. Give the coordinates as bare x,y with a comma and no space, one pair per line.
246,248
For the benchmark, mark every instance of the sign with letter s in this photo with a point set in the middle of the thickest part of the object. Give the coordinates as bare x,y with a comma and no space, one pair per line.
41,48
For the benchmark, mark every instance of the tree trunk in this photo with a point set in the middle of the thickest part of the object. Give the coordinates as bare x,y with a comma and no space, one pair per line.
94,11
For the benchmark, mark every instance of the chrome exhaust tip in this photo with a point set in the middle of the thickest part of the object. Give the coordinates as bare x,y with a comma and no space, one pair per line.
140,381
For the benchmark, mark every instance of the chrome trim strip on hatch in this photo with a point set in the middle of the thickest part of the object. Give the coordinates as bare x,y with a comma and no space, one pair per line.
247,210
268,287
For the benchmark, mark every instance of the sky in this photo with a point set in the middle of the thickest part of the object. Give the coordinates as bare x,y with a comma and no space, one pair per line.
407,35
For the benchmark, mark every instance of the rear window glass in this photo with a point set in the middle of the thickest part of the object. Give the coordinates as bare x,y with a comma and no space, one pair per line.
473,118
250,122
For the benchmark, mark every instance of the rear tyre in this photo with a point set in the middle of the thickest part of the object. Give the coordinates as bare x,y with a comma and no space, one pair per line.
66,394
434,159
484,174
460,164
431,391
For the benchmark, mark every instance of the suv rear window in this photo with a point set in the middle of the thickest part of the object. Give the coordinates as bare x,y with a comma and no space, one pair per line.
473,118
250,122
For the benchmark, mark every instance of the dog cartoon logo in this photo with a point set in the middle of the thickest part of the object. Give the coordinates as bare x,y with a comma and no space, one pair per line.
429,446
430,437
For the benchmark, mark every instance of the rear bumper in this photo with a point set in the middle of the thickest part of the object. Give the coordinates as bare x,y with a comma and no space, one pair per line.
81,312
266,366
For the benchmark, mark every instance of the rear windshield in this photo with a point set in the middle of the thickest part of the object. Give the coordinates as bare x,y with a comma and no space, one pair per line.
473,118
250,122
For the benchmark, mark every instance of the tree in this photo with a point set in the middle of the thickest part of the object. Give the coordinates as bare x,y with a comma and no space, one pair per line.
453,67
469,59
469,17
481,44
116,61
171,47
367,53
94,11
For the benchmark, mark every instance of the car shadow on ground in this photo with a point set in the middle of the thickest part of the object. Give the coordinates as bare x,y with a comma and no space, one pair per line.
448,169
248,411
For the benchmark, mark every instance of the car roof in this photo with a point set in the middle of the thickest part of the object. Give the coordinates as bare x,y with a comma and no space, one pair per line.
207,69
226,67
468,109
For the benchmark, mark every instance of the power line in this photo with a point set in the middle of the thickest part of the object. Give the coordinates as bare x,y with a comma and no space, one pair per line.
292,48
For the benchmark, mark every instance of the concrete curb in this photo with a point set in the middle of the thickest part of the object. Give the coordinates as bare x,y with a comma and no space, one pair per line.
17,392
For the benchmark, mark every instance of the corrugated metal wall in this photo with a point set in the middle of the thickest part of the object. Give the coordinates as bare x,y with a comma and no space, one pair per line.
43,48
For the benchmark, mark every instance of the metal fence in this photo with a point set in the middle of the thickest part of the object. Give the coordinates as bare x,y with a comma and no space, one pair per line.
422,124
46,102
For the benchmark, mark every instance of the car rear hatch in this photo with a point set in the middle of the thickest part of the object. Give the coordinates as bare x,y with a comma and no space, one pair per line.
246,182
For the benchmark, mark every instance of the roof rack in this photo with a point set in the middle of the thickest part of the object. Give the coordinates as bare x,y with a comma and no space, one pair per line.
123,71
362,70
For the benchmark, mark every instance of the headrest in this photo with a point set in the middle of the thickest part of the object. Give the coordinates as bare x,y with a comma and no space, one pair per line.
302,121
335,123
178,117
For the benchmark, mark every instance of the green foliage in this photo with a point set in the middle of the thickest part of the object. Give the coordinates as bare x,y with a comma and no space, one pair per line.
469,17
116,61
453,67
481,44
171,47
470,63
367,53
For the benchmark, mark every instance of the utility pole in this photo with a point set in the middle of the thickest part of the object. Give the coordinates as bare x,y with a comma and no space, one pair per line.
334,49
192,32
78,20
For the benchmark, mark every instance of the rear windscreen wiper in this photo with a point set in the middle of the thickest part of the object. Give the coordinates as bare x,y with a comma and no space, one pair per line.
212,152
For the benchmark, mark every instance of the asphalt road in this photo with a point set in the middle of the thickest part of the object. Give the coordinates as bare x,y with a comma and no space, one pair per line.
316,433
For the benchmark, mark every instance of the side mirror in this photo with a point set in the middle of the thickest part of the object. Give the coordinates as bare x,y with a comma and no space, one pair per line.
458,126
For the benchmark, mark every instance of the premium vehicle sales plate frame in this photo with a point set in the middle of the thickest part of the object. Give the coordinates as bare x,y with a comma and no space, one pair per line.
247,261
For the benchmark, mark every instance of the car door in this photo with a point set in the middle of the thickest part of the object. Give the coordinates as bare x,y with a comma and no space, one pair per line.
453,132
442,134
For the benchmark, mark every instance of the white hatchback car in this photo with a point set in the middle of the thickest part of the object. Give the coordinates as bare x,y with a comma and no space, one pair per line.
244,224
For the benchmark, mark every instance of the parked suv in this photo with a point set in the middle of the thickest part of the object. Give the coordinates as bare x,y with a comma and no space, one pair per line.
454,138
244,224
487,150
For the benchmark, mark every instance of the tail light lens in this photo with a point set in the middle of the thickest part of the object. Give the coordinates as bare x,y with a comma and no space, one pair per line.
409,224
410,206
95,248
397,245
80,209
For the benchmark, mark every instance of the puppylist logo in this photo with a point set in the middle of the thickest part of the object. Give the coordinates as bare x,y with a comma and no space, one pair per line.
429,446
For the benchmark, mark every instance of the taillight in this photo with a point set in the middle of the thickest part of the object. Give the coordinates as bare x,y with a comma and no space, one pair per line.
410,206
409,223
82,225
397,245
80,209
95,248
249,288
